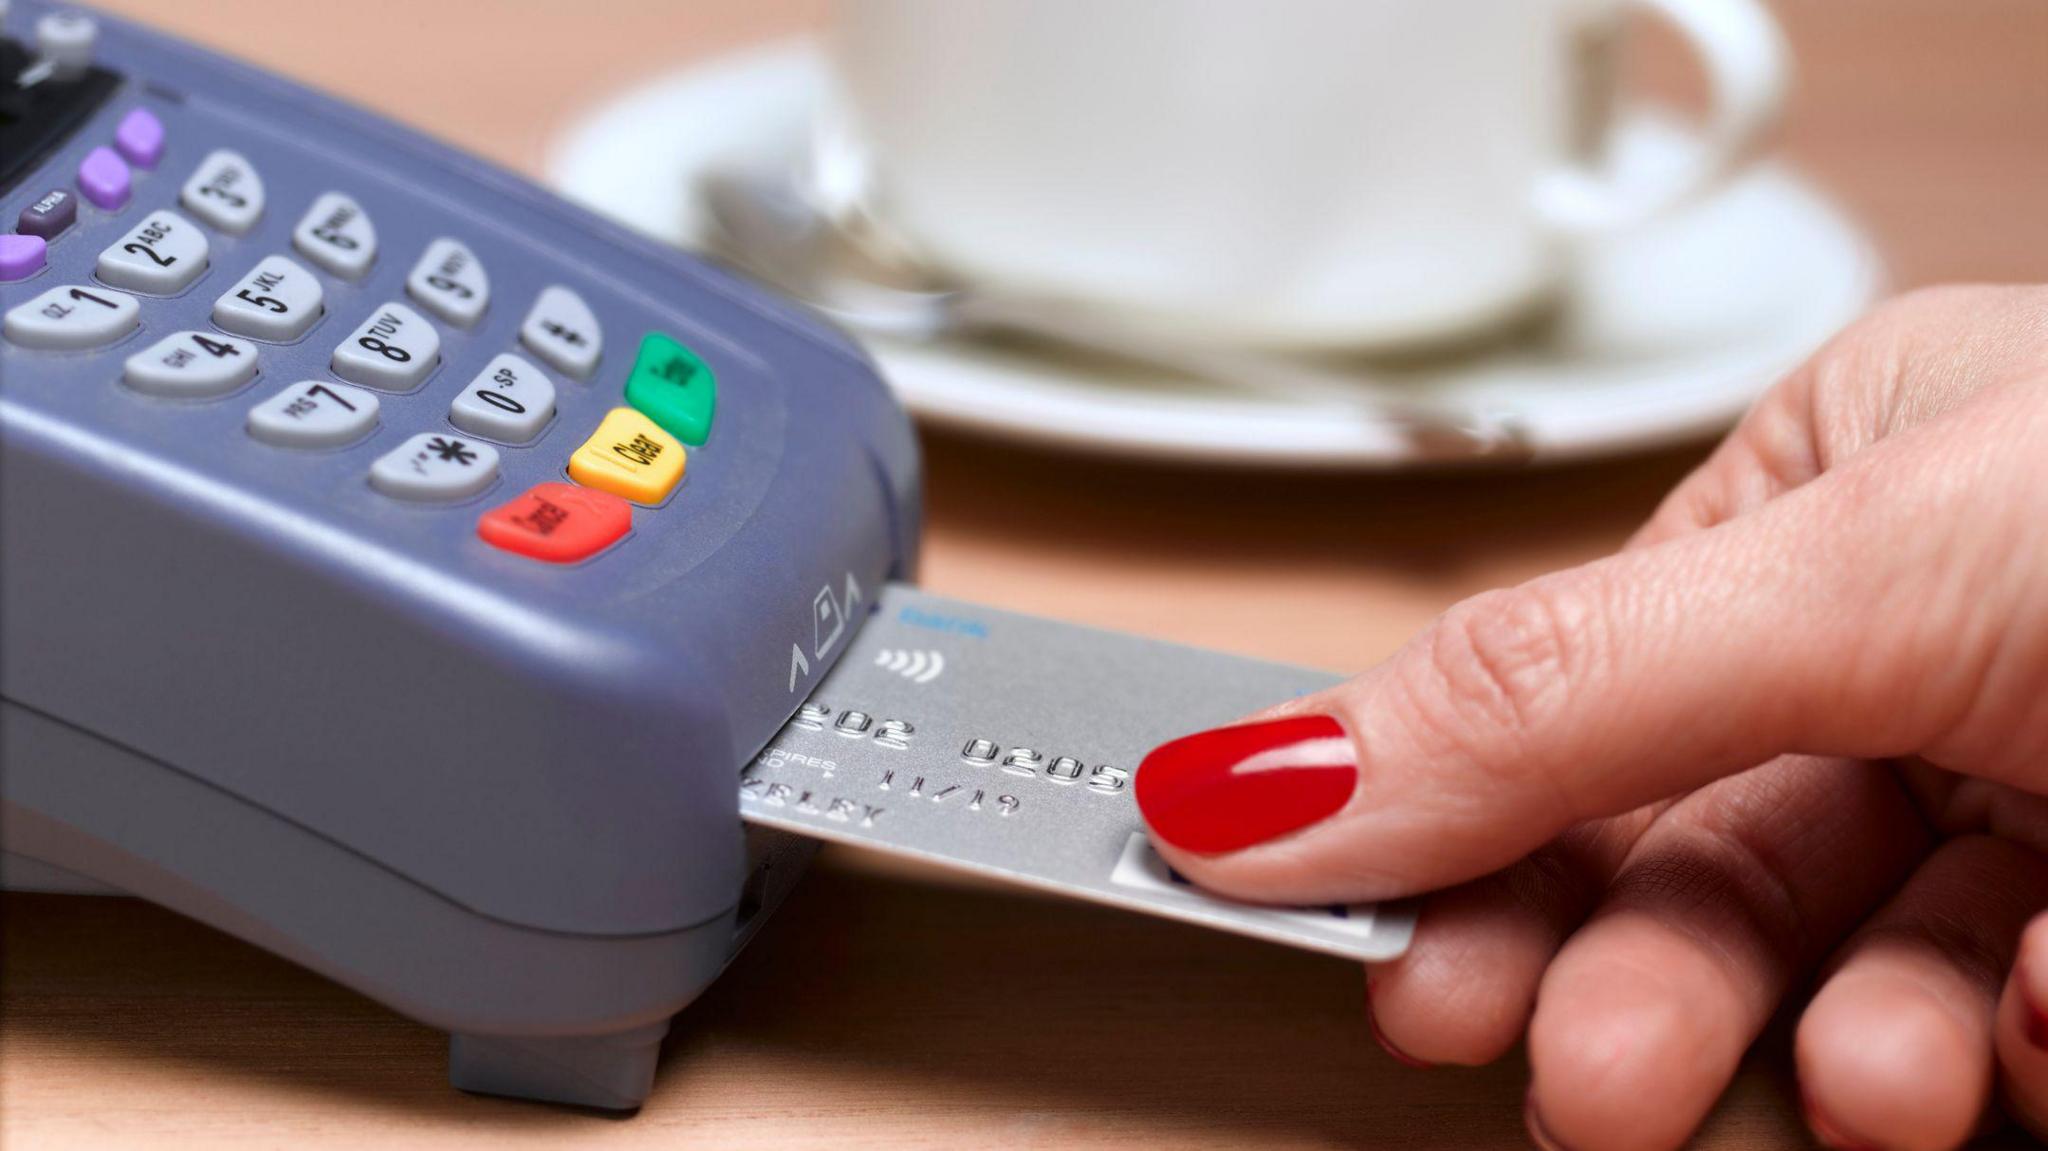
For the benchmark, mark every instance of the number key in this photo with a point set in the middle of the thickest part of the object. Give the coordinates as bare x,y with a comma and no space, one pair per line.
314,414
337,235
450,282
510,400
225,191
192,365
161,255
70,317
393,350
278,300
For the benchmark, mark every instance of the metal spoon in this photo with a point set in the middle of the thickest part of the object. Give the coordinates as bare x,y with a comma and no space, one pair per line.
844,268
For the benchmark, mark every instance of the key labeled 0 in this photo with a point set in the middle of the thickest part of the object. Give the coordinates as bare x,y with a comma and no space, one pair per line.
1031,764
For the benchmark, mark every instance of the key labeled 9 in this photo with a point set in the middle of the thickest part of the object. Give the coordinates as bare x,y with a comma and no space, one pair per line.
1031,764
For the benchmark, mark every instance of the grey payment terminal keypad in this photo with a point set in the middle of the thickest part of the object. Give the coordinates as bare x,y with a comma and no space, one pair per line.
398,564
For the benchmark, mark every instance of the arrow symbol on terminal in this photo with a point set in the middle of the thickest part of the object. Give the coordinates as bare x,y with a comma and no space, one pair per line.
798,665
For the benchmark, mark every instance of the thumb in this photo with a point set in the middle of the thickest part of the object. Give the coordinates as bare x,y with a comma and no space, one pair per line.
1812,624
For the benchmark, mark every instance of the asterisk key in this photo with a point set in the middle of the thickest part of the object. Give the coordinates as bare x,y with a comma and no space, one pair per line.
454,451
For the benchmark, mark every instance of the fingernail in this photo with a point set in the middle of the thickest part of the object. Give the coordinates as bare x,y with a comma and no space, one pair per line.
1538,1133
1824,1129
2037,1019
1232,787
1387,1045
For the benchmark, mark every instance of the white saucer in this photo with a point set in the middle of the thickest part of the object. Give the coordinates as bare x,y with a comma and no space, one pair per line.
1671,331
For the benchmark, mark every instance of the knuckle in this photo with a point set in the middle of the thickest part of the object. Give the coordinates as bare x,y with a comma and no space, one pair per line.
1966,904
1762,890
1923,353
1510,660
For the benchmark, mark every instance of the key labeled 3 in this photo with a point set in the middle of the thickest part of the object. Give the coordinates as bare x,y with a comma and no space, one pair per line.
191,366
225,191
393,350
161,255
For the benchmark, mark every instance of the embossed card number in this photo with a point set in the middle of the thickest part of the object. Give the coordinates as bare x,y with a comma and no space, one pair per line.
1026,762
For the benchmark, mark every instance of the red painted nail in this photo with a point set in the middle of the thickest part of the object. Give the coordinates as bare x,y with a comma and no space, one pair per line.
2037,1027
1533,1123
1824,1129
1232,787
1400,1056
2037,1019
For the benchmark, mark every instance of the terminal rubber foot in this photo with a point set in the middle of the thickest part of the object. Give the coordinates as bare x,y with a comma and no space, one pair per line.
610,1072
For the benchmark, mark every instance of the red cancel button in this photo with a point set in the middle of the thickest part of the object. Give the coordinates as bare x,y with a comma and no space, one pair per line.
557,523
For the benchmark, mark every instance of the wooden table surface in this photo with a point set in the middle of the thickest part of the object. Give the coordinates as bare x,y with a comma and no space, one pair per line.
894,1009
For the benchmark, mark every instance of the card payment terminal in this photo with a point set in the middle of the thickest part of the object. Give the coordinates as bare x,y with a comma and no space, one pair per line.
397,564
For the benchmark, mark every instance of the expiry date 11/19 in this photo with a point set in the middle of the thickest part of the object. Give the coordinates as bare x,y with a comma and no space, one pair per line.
1025,762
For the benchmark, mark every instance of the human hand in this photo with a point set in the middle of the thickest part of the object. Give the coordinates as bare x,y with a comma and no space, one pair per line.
1796,733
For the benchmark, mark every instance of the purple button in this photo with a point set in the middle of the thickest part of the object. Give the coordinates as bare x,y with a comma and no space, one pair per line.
20,256
53,211
103,177
140,138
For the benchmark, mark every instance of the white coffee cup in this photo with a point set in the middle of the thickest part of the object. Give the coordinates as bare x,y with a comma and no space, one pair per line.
1307,173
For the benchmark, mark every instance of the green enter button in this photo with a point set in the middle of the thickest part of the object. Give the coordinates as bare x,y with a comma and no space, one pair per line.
674,388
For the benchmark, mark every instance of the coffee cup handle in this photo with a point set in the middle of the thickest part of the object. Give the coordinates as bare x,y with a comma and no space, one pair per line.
1748,68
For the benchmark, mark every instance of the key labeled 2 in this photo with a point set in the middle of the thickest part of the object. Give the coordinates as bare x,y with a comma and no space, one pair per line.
161,255
392,351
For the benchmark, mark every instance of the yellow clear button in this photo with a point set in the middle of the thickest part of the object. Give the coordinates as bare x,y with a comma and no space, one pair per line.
629,456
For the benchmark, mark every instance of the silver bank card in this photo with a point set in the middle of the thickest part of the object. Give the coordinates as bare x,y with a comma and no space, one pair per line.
1005,745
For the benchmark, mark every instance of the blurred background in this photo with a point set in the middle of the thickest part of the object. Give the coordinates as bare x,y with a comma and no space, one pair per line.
913,1014
1922,118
